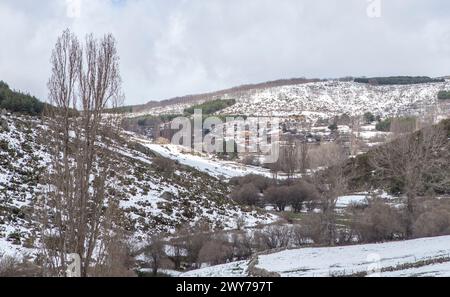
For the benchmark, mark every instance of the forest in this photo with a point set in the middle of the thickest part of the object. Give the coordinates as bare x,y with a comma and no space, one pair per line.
15,101
398,80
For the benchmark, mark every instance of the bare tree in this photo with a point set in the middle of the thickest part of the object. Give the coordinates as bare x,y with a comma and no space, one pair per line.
193,239
247,194
274,168
301,193
278,196
289,158
303,152
79,215
217,251
415,161
155,250
376,222
177,252
355,130
274,236
242,243
332,183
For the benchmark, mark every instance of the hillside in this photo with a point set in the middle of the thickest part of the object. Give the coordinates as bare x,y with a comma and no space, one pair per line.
327,99
189,100
319,99
153,199
16,101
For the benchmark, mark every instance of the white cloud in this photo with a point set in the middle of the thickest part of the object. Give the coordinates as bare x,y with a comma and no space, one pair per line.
176,47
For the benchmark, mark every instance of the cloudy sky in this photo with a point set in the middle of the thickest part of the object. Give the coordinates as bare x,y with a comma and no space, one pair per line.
177,47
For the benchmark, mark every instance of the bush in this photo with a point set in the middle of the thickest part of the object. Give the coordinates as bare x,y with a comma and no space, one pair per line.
278,196
434,222
369,118
155,251
301,193
261,182
300,235
384,126
243,244
13,267
310,228
247,194
193,239
333,127
444,95
164,165
275,236
216,252
377,222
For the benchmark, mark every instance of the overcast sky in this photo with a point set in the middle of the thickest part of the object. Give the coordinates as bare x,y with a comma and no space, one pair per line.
176,47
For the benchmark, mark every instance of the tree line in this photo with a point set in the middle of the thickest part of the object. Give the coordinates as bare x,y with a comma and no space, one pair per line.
398,80
15,101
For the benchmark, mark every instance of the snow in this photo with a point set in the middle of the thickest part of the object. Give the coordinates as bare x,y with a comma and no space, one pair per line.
352,259
147,209
324,99
234,269
346,260
361,198
345,201
202,162
329,98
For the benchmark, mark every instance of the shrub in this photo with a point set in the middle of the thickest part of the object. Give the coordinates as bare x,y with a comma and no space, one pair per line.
434,222
155,251
243,245
384,126
278,196
369,118
275,236
301,193
333,127
377,222
164,165
261,182
444,95
216,252
247,194
300,236
310,228
13,267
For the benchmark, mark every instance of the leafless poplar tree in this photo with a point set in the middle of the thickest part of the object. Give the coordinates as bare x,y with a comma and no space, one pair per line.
79,212
332,183
289,158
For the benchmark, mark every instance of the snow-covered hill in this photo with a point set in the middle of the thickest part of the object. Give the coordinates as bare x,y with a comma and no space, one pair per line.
325,99
152,200
329,98
419,257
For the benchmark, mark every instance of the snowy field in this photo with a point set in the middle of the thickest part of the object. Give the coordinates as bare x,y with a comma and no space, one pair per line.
234,269
348,260
202,162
